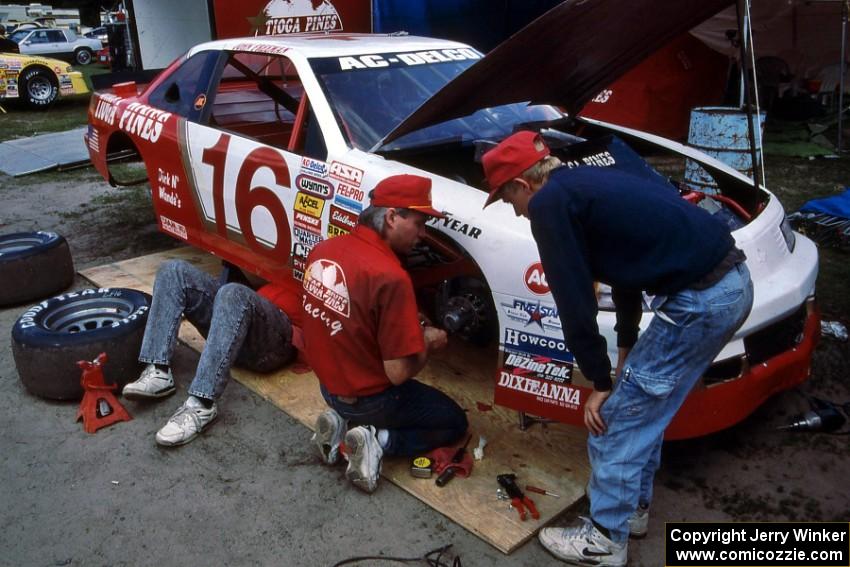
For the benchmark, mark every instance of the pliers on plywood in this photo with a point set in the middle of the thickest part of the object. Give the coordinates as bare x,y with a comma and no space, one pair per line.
518,500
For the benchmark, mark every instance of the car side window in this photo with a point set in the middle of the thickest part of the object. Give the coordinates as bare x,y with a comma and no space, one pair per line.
259,96
39,37
55,36
184,91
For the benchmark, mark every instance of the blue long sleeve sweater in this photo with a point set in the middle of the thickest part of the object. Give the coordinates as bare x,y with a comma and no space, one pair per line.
635,234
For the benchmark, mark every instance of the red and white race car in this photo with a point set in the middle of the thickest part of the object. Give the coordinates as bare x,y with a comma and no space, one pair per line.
258,148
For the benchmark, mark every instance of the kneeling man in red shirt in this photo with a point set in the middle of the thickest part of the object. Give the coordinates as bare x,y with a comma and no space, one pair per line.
364,339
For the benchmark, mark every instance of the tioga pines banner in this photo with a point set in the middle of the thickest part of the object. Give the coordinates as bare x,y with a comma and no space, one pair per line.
277,17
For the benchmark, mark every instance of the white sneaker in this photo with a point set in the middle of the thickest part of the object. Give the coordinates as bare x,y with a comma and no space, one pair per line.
584,545
330,431
187,422
151,385
364,457
639,522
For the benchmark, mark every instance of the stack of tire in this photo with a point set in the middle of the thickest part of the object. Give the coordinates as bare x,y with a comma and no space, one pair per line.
51,336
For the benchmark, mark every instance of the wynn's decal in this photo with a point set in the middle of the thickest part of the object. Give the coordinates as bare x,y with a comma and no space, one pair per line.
314,186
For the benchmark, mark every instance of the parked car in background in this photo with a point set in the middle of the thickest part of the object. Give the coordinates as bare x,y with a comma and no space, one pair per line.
258,148
59,43
98,33
37,81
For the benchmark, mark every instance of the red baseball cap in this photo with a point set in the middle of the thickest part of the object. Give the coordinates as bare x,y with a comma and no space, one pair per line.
405,192
510,158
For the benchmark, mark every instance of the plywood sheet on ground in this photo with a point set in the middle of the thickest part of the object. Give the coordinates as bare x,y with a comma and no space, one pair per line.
551,456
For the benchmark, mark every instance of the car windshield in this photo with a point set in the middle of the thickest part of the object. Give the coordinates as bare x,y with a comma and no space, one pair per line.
17,36
372,94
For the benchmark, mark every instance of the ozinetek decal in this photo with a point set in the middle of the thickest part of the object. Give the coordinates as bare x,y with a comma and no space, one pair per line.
314,186
408,59
523,364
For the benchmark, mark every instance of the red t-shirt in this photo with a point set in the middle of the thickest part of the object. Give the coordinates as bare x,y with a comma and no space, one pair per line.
359,310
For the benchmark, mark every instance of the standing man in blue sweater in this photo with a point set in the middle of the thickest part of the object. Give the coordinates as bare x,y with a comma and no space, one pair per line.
635,234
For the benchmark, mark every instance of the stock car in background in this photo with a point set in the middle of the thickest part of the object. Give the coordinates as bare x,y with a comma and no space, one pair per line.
258,148
37,81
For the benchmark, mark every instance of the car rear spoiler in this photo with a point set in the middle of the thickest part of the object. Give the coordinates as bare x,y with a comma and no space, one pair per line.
104,81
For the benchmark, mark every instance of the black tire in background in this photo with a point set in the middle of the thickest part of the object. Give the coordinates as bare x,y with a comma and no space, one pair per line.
50,337
38,87
83,56
33,265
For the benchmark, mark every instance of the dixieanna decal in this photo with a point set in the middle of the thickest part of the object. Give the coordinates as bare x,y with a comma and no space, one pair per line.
545,391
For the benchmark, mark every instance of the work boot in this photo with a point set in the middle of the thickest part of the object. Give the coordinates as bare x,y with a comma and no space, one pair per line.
584,545
364,458
187,422
638,521
151,385
330,431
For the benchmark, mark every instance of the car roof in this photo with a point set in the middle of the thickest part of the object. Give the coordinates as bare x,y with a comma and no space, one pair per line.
332,45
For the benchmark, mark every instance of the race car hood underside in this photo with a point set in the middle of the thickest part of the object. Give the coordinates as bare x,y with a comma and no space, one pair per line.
564,57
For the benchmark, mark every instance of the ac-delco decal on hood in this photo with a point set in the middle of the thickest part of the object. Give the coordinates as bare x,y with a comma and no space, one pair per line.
390,60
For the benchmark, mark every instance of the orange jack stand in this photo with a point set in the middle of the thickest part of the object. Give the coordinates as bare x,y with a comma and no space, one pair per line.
99,407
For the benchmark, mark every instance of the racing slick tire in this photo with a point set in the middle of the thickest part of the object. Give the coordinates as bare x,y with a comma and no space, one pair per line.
34,265
83,56
38,87
50,337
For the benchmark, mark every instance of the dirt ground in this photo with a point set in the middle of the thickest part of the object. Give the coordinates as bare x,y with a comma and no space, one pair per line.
251,491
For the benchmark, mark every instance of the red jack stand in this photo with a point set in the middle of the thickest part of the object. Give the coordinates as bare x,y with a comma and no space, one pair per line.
99,407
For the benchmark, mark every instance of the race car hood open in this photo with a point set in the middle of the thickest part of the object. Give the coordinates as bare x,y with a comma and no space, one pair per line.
564,57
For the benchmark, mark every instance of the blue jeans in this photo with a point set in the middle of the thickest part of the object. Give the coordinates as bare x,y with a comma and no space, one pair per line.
241,327
686,334
419,418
